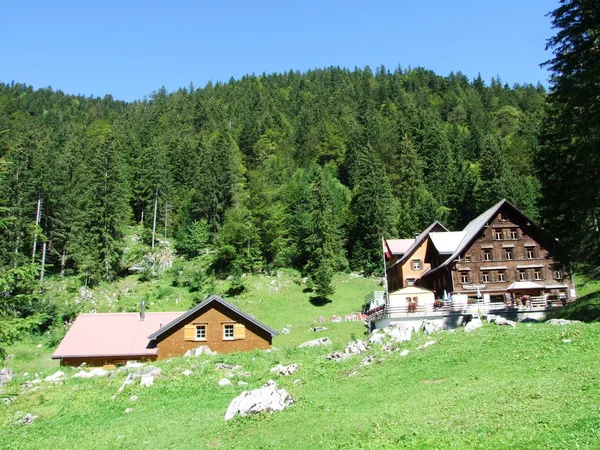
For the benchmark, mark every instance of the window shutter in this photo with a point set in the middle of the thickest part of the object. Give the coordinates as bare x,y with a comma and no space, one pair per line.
189,333
239,331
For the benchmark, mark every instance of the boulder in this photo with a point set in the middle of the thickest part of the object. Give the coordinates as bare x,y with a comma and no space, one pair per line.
316,342
267,398
499,320
377,337
336,356
429,326
387,347
561,322
355,347
367,360
224,382
202,350
56,376
27,420
147,381
400,332
5,376
473,325
285,370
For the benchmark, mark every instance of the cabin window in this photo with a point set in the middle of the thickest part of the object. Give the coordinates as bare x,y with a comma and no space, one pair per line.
514,233
522,275
508,253
530,252
498,235
200,332
537,274
485,277
504,217
501,276
416,264
487,254
467,258
228,332
410,281
558,275
464,278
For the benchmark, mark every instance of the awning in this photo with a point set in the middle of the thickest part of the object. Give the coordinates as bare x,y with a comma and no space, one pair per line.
522,285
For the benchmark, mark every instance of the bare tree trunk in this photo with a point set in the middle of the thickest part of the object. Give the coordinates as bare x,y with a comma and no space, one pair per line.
63,261
166,215
154,218
37,224
43,263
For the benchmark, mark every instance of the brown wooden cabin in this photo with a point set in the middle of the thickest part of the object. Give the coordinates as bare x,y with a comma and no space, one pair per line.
115,338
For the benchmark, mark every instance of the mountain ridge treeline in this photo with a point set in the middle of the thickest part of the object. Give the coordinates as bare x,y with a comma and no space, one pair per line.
304,170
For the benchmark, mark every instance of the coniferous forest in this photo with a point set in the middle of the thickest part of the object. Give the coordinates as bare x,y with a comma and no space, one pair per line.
302,170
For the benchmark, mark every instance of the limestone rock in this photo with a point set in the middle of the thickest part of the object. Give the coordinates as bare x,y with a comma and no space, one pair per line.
202,350
336,356
133,398
27,420
268,398
242,383
147,380
5,376
377,337
243,374
355,347
134,364
404,352
316,342
225,366
285,370
367,360
429,326
561,322
473,325
387,347
425,345
186,373
285,330
499,320
56,376
152,371
400,332
97,372
224,382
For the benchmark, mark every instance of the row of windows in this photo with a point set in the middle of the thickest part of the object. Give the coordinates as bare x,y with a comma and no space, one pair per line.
507,254
500,276
500,234
198,332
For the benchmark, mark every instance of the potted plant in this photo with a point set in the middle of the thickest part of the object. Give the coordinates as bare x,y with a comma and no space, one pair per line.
412,306
438,304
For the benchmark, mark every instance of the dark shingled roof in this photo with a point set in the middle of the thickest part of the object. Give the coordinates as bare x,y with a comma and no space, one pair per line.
212,298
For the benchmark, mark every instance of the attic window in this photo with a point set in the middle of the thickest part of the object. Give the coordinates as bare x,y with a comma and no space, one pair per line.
504,217
416,264
410,281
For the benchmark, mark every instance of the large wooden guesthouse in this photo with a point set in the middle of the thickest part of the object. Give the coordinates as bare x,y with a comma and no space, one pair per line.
501,258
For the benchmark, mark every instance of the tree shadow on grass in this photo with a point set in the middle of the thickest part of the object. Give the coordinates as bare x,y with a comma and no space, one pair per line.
319,301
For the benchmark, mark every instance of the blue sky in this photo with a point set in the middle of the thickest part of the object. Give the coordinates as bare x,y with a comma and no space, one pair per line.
131,48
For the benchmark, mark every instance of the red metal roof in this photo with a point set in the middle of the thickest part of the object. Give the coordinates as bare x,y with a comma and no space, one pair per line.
399,246
112,334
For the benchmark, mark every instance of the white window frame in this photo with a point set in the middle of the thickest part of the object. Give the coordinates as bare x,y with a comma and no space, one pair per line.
487,255
464,278
410,281
508,254
501,276
416,264
498,235
200,336
485,277
537,274
530,253
514,233
558,275
226,335
522,275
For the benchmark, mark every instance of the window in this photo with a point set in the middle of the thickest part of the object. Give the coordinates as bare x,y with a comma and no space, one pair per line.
501,276
464,278
228,331
514,233
498,235
504,217
537,274
522,275
200,332
467,258
558,275
530,253
416,264
487,254
410,281
508,253
485,277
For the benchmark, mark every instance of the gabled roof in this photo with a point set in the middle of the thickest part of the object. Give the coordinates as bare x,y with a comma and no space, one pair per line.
418,240
399,246
209,300
112,334
474,227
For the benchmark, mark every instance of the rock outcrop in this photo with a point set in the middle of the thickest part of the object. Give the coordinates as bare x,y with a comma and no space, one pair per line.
316,342
267,398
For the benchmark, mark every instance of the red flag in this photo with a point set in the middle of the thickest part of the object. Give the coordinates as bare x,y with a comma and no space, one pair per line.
386,251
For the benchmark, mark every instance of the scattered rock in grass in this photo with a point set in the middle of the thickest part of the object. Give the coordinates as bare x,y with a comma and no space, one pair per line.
8,400
353,373
39,346
404,352
425,345
429,326
242,383
27,420
530,320
297,381
133,398
377,337
243,374
186,373
473,325
387,347
224,382
355,347
285,330
134,364
318,329
499,320
56,376
336,356
202,350
285,370
267,398
128,410
561,322
567,341
367,360
147,381
5,376
97,372
11,356
400,332
316,342
225,366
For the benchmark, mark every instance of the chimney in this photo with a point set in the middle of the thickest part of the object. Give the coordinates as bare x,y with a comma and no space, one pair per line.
143,310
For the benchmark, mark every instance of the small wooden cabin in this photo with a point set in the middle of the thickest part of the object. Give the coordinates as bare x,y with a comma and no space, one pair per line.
115,338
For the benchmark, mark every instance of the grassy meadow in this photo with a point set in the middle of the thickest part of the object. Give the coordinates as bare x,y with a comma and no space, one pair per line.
534,386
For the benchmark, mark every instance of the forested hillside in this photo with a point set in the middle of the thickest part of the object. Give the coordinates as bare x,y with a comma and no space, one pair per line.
303,170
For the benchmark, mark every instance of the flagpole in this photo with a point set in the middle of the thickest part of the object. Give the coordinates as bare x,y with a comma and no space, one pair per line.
385,281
